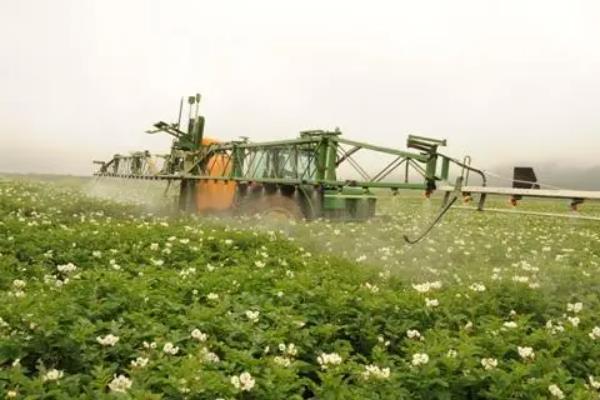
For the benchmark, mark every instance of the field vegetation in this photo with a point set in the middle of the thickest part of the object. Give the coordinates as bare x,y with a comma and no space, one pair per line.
106,300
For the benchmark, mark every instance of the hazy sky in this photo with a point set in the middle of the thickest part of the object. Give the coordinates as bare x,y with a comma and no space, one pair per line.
506,81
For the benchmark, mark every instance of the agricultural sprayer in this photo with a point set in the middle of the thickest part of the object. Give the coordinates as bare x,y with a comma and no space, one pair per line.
313,176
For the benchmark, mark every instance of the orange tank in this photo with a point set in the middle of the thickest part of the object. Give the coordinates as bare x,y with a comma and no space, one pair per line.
212,195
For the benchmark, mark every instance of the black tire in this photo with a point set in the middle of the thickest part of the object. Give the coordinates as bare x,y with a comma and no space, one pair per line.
274,205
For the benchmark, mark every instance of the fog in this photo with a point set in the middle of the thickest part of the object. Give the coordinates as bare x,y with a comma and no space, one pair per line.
511,82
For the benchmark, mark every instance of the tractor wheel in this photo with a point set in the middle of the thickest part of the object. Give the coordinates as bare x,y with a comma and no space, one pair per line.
274,206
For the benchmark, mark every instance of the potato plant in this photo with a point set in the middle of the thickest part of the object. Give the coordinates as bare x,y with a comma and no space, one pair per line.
104,300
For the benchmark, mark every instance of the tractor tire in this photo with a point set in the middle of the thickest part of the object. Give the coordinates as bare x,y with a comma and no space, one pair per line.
273,206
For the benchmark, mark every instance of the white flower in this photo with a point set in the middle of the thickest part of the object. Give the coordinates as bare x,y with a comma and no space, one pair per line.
52,375
325,359
209,356
451,353
19,284
149,345
139,362
419,359
510,324
169,348
556,392
373,371
574,308
154,246
574,321
477,287
199,336
290,349
520,278
554,329
157,263
489,363
66,268
595,333
11,394
97,254
372,288
244,382
228,242
413,334
283,361
468,326
594,383
431,302
382,340
526,353
120,384
252,315
108,340
427,286
259,264
212,296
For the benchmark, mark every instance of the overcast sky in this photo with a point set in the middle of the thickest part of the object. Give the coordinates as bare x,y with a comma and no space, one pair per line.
505,81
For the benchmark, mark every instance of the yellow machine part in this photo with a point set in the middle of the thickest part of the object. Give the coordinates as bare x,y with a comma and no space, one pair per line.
215,195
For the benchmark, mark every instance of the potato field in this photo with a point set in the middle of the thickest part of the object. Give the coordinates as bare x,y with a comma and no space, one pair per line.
104,300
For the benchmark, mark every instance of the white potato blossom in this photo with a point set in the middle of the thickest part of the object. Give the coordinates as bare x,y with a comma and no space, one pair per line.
252,315
151,345
595,333
373,371
289,349
477,287
574,321
427,286
52,375
372,288
171,349
419,359
554,328
66,268
526,353
381,339
556,392
243,382
327,359
510,325
120,384
199,336
413,334
11,394
139,362
108,340
452,353
489,363
431,302
19,284
282,361
208,356
574,308
212,296
594,383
